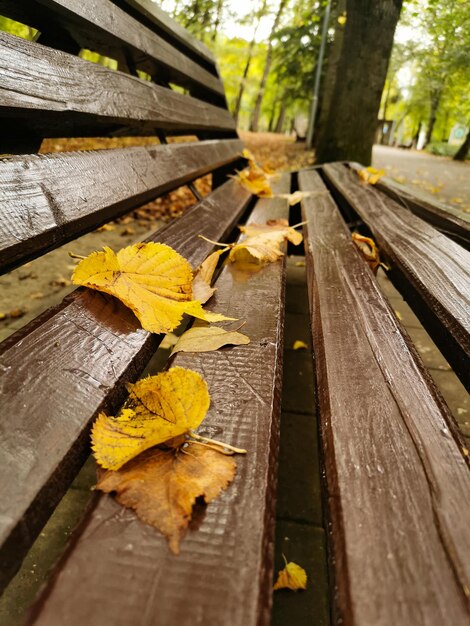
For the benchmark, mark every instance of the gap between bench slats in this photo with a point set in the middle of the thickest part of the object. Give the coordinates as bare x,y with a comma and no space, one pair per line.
105,28
431,270
59,94
447,219
47,200
397,480
119,570
62,369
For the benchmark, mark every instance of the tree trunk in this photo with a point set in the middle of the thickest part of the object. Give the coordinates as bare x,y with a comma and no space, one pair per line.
435,99
351,117
462,152
330,76
241,89
218,19
281,118
267,67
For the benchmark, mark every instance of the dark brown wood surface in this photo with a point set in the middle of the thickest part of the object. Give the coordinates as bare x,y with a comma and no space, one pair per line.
398,480
58,94
447,219
105,28
224,572
46,200
60,370
165,24
431,270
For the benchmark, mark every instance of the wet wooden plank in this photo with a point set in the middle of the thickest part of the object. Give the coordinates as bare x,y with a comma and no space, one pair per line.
105,28
64,367
224,571
445,218
398,481
46,200
431,270
163,23
58,94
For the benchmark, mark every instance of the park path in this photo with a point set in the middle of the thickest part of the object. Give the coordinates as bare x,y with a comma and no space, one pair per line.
439,177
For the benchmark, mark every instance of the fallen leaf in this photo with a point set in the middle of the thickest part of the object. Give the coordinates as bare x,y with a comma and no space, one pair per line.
263,242
159,408
300,345
457,200
255,180
298,196
15,313
206,339
162,486
202,289
105,228
291,577
60,281
300,264
370,175
37,295
399,316
369,251
152,279
127,231
169,341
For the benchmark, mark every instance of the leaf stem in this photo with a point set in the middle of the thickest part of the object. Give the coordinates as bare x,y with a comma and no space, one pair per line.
206,445
76,256
215,243
197,437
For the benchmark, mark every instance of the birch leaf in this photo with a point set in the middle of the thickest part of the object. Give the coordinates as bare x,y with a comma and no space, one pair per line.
263,242
162,486
159,408
152,279
291,577
206,339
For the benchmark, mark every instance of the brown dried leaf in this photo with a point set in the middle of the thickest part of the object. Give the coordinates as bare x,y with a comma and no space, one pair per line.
208,338
162,486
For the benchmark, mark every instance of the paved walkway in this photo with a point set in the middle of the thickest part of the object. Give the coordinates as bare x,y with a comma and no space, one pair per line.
439,177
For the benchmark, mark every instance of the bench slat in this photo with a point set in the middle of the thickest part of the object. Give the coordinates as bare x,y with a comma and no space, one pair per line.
58,95
225,566
431,270
46,200
445,218
163,22
398,481
105,28
64,367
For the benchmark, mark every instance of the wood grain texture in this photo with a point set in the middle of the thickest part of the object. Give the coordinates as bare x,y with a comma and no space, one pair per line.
398,482
58,94
107,29
163,23
224,572
447,219
71,362
431,270
46,200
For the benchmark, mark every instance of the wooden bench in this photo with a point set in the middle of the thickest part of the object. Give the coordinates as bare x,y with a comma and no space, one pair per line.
397,474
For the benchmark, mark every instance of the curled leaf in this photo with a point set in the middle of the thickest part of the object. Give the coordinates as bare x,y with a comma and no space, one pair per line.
205,339
159,408
300,345
202,289
370,175
152,279
291,577
368,250
162,486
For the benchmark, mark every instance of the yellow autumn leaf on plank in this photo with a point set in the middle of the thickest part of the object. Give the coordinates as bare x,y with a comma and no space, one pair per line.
152,279
370,175
255,180
202,289
263,242
206,339
291,577
159,408
368,250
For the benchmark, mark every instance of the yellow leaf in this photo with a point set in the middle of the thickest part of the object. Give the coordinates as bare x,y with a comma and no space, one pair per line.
255,180
159,408
300,264
342,19
300,345
162,486
263,242
291,577
169,341
152,279
369,250
370,175
457,200
205,339
202,289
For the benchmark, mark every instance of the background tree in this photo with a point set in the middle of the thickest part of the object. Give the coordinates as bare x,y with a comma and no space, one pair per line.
351,117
